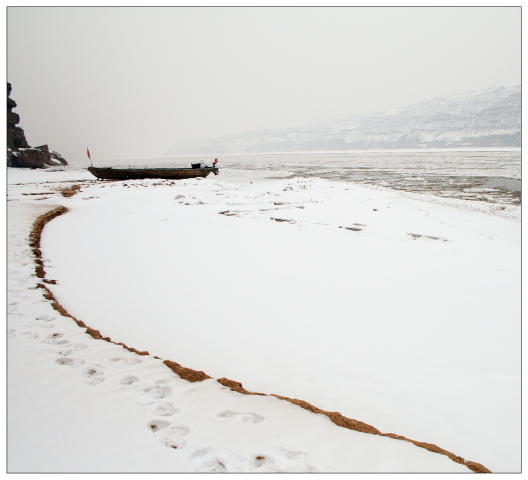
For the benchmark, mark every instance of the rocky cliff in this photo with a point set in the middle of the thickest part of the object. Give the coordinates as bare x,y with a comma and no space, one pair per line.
19,153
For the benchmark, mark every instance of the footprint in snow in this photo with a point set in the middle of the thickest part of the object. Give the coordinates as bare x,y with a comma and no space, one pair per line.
171,436
248,417
29,334
56,339
66,352
165,410
129,380
292,461
69,349
74,362
93,376
215,460
46,325
291,454
176,443
157,425
268,463
414,236
159,391
260,460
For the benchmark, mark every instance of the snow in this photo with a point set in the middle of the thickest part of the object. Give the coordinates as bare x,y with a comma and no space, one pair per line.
413,334
487,118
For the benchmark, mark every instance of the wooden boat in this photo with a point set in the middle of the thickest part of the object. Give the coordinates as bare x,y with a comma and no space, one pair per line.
111,173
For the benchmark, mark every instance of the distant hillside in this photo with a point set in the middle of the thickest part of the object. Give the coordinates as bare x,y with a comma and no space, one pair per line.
489,118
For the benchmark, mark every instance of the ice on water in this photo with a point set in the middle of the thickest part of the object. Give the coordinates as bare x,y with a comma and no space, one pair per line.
490,175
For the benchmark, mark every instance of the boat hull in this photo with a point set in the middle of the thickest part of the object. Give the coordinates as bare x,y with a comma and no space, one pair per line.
138,173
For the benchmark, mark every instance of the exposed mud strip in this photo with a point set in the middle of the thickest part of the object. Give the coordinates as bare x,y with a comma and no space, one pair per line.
199,376
36,233
357,425
70,191
186,373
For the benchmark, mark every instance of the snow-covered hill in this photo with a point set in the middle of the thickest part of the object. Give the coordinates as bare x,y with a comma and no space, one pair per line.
488,118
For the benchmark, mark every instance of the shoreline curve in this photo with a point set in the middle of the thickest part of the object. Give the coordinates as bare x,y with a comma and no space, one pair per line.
192,375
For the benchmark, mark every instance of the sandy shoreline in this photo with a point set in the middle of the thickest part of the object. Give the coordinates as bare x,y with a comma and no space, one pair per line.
96,372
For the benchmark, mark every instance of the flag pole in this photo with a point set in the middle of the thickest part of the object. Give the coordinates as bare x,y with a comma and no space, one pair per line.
89,156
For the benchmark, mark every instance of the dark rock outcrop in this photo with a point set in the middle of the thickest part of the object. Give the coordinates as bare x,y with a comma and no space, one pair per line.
19,153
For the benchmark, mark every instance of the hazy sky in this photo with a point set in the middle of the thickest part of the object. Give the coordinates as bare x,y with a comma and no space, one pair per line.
131,82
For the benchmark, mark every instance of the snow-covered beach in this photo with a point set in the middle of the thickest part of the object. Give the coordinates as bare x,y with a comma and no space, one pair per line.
398,310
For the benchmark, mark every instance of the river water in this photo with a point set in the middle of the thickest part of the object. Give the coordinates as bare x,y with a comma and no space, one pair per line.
482,175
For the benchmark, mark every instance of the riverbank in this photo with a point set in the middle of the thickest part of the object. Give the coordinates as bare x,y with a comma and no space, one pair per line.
347,297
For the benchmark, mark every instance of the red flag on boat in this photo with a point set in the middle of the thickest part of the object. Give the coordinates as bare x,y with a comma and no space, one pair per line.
88,152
